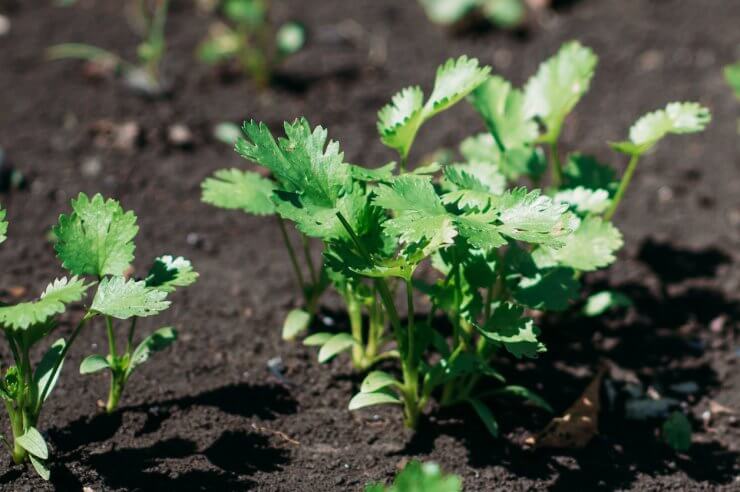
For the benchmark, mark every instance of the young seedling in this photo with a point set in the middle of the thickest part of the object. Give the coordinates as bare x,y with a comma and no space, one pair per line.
145,75
420,477
507,14
302,165
251,40
96,240
500,250
732,75
24,387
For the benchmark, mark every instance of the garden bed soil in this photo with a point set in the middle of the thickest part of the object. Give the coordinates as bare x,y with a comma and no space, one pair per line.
208,415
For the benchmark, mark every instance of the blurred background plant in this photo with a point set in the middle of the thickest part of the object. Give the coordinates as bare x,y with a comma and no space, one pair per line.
248,39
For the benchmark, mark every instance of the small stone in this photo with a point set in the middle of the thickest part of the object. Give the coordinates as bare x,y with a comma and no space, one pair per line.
180,135
718,324
650,60
4,25
91,167
665,194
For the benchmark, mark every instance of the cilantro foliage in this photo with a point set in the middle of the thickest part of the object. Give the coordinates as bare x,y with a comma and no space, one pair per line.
492,249
417,477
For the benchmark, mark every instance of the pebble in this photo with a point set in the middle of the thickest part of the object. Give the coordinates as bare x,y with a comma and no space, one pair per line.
180,135
91,167
4,25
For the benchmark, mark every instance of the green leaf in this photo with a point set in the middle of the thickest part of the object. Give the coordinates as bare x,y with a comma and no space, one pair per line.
508,327
586,172
525,393
502,109
677,432
251,13
227,132
46,365
169,272
3,226
240,190
336,344
40,467
455,79
471,177
156,342
314,182
122,299
399,120
558,85
447,11
504,13
377,380
547,290
421,216
584,201
290,38
295,323
382,173
533,218
33,442
590,247
380,397
317,339
485,415
512,163
97,238
420,477
732,75
599,303
676,118
57,294
93,363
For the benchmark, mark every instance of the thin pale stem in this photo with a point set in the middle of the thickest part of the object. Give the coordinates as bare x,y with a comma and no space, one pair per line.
58,363
130,338
291,253
111,338
623,185
309,261
556,169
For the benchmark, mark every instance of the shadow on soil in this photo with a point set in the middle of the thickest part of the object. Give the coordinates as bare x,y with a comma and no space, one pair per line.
223,465
661,341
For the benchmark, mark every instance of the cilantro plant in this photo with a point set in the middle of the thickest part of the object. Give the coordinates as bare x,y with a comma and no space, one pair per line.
732,75
96,240
24,387
144,75
420,477
251,40
499,250
507,14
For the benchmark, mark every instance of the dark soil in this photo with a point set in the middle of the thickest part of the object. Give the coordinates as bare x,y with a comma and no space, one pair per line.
208,415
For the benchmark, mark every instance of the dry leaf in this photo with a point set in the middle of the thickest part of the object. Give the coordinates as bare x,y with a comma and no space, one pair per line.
579,424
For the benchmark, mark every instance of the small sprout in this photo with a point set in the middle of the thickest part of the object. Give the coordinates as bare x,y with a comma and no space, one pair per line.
250,39
97,239
507,14
145,75
417,477
677,432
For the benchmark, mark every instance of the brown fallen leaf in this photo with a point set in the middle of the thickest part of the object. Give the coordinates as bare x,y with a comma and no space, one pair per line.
579,424
719,409
17,292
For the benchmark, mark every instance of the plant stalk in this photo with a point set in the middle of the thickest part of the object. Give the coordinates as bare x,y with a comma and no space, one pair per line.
623,184
293,259
556,169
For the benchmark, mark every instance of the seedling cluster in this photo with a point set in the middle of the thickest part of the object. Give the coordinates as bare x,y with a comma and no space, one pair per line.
95,245
248,38
507,14
500,250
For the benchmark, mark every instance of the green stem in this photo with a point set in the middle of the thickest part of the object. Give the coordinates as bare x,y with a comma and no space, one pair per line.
309,261
293,259
58,363
111,338
114,393
623,184
410,366
16,426
354,309
130,338
557,170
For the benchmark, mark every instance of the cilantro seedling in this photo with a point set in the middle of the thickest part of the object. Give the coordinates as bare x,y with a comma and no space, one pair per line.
507,14
420,477
24,388
97,240
144,75
250,39
500,250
